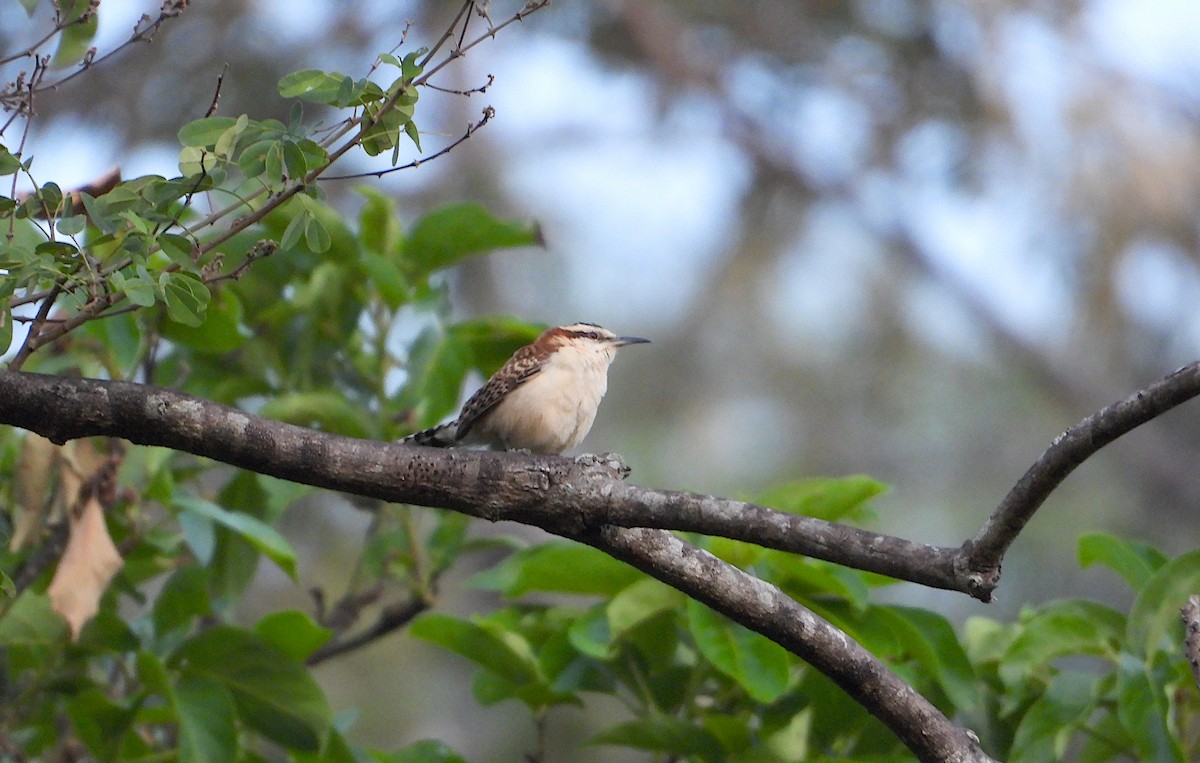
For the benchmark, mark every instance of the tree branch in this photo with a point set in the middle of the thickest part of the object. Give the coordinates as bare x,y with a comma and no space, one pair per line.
983,554
567,497
762,607
545,491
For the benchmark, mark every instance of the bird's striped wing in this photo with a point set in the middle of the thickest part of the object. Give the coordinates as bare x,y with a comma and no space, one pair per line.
524,364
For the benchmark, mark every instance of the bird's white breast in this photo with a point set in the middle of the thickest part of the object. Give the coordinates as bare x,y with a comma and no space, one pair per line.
553,411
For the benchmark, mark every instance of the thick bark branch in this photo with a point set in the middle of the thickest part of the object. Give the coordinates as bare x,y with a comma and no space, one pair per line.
557,494
933,566
544,491
572,498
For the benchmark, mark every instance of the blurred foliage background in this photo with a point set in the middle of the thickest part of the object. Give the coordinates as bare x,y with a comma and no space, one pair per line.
909,239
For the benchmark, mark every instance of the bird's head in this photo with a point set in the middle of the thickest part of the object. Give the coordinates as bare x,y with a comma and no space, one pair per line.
587,338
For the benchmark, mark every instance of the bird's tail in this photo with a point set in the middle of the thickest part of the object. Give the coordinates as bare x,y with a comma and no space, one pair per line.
441,436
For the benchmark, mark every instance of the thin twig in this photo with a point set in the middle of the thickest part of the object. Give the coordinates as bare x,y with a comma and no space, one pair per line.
488,113
145,34
31,342
491,80
433,51
391,619
216,99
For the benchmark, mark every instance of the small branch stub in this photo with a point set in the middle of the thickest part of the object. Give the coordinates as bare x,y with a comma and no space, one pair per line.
1190,614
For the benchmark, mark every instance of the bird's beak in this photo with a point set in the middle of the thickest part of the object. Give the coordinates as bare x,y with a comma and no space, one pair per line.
621,341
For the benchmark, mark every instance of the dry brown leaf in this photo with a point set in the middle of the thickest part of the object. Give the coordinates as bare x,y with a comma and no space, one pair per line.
87,565
34,472
80,463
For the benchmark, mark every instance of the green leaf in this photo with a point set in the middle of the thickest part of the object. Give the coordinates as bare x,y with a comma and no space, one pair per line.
410,68
558,567
314,154
758,664
314,85
9,162
252,160
261,536
219,332
809,579
437,364
205,132
326,410
336,749
448,541
198,533
382,129
197,162
227,143
590,633
99,722
294,160
274,693
639,602
183,598
1154,619
178,248
1049,723
387,278
487,644
1133,561
75,40
292,632
315,236
31,621
71,226
378,227
931,641
153,674
453,233
139,288
1143,706
61,250
186,297
294,231
410,129
424,751
273,163
831,499
6,328
207,731
1058,629
669,736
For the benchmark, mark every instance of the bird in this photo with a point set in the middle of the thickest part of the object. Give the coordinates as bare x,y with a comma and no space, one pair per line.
542,400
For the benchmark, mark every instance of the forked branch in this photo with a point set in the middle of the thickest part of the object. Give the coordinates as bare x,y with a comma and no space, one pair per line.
571,498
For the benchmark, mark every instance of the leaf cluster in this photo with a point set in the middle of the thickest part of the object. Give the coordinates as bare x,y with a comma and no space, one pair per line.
1070,680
